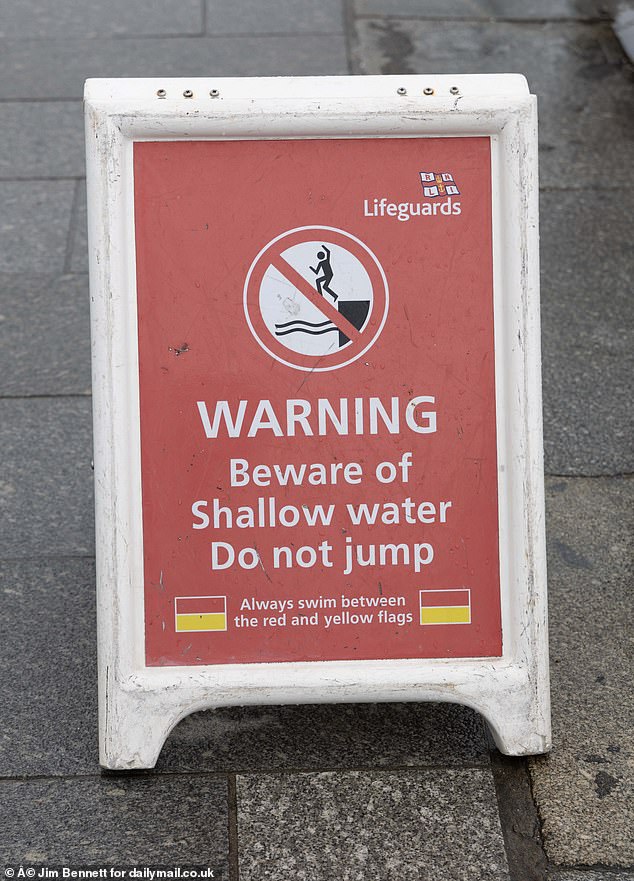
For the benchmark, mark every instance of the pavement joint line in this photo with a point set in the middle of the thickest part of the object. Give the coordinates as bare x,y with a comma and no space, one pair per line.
153,773
203,18
43,179
47,778
72,227
619,475
616,871
35,396
295,35
232,814
43,275
363,769
519,818
537,811
118,38
367,16
197,35
108,774
549,188
46,557
71,100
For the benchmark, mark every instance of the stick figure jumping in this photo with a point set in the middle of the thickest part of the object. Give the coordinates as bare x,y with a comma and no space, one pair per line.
324,267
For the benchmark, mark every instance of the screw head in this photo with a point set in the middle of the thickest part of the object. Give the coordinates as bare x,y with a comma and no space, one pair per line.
401,90
454,90
188,93
161,93
428,91
214,93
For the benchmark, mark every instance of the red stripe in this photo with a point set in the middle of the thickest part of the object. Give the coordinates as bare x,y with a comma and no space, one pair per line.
199,605
431,598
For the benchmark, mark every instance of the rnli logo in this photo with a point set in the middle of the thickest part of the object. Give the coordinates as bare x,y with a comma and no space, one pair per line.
438,184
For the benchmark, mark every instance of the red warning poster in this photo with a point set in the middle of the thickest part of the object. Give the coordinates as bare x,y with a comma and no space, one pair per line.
316,369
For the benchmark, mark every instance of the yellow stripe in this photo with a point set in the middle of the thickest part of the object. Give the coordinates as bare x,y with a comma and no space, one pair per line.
212,621
445,615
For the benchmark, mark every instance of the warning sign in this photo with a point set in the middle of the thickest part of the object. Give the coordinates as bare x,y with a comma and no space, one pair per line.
317,405
317,400
316,317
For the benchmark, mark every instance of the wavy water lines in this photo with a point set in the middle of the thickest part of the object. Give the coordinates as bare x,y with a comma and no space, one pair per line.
314,328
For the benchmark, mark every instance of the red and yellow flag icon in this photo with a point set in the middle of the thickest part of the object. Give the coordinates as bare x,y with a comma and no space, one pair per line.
200,614
445,606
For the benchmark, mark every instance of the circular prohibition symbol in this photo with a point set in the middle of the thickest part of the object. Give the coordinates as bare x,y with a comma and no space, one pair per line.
316,298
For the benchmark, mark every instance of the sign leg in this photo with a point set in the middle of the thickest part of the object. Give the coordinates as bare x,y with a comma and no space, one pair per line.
519,724
133,729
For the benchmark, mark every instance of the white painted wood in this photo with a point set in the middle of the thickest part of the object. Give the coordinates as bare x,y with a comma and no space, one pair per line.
138,706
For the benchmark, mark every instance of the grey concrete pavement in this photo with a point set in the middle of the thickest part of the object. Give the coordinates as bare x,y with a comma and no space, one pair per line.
162,820
38,70
44,336
585,789
576,69
35,226
355,824
32,19
587,319
356,792
46,501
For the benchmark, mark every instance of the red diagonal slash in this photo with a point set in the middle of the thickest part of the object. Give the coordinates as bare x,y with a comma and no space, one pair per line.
298,281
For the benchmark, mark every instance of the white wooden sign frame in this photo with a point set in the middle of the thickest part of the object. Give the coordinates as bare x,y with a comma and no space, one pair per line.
139,705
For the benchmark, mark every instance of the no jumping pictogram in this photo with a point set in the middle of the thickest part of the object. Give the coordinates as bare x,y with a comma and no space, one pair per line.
316,298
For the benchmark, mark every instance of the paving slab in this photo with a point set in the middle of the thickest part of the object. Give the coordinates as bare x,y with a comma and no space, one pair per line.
48,629
76,18
44,335
326,737
483,9
46,482
41,139
577,71
274,17
152,821
585,789
34,226
587,317
406,826
58,68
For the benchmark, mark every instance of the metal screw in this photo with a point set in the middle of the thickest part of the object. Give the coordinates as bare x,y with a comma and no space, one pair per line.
188,93
454,90
215,93
428,91
401,91
161,93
